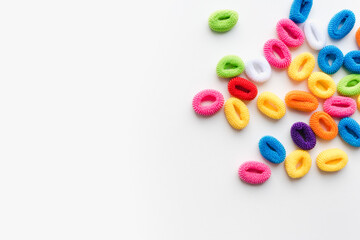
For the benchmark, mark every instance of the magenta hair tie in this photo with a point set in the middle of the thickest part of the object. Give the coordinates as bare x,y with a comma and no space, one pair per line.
214,96
254,172
303,136
275,45
339,106
290,33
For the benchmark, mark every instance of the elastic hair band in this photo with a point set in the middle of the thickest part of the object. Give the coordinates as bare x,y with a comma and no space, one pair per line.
208,95
340,107
341,24
258,70
349,85
349,131
242,88
272,150
315,37
275,45
332,160
330,53
300,10
271,105
301,101
289,33
357,37
352,61
303,136
230,66
236,113
305,62
298,163
254,172
223,20
330,129
321,85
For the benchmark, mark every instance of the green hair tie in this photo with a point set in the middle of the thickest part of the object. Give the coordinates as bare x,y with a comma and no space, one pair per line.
349,85
230,66
223,20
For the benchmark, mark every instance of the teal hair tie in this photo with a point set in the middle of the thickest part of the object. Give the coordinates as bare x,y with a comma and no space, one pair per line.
349,85
230,66
223,20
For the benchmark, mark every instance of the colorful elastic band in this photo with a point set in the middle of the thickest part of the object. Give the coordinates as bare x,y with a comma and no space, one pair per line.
242,88
301,101
352,61
275,45
340,107
254,172
332,160
300,10
357,37
341,24
305,62
223,20
303,136
236,113
349,85
289,33
349,131
230,66
271,105
323,125
314,36
258,70
321,85
330,53
214,96
298,163
272,150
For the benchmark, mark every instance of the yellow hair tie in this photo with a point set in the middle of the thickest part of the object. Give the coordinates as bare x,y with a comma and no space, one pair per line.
321,85
332,160
305,62
298,163
271,105
236,112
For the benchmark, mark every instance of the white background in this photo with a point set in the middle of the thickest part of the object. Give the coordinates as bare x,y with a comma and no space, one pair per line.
98,139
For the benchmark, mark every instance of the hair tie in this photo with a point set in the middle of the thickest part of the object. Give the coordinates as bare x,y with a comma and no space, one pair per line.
223,20
333,53
352,61
357,37
341,24
272,150
321,85
214,96
300,10
314,36
305,62
258,70
230,66
349,85
242,88
339,106
349,131
332,160
236,113
298,163
254,172
303,136
289,33
330,129
275,45
301,101
271,105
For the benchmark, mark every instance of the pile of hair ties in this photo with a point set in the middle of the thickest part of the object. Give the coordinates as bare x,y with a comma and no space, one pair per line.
320,84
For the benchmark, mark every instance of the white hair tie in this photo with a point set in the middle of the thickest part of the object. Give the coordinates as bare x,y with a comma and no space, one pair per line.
258,70
315,37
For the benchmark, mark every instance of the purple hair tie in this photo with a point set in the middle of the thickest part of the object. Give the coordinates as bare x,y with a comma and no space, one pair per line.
303,136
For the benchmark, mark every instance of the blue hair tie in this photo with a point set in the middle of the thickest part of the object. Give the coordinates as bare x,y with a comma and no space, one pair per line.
272,150
352,61
330,53
344,17
300,10
349,131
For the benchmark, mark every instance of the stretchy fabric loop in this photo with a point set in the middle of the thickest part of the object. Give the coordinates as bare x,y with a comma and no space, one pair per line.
236,113
301,101
242,88
230,66
272,149
332,160
305,62
320,119
223,20
340,107
298,163
321,85
289,33
349,131
254,172
271,105
300,10
352,61
349,85
330,53
214,96
303,136
258,70
275,45
341,24
315,37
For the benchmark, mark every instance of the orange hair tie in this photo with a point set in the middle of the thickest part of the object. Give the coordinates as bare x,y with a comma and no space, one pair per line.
301,100
320,119
358,37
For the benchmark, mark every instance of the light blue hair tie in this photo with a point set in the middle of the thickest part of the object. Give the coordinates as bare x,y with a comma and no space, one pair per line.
272,150
344,17
300,10
330,53
349,131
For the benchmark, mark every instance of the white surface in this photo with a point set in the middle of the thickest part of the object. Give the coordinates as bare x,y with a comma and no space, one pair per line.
99,141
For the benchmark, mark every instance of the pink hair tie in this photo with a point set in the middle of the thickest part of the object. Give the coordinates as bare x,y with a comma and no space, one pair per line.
275,45
290,33
254,172
214,96
339,106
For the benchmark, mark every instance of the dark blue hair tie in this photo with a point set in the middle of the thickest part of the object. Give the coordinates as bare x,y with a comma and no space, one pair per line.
349,131
303,136
344,17
352,61
330,53
272,150
300,10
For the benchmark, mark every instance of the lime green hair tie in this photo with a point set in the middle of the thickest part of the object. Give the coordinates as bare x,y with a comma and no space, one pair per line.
230,66
349,85
223,20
